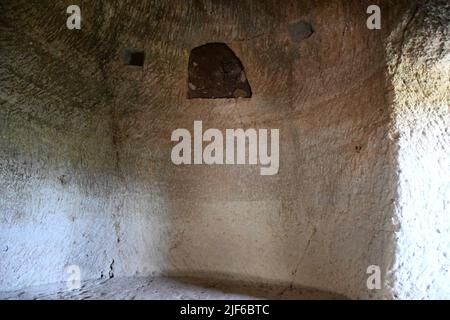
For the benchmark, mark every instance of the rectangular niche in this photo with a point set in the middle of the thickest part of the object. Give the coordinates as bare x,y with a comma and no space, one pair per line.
133,57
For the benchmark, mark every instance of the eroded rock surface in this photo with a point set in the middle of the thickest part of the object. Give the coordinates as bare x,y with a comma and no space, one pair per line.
85,172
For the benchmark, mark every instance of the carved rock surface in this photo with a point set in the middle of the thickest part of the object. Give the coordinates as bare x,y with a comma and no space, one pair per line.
85,172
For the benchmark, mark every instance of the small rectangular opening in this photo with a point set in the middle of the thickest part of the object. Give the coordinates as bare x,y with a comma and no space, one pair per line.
133,57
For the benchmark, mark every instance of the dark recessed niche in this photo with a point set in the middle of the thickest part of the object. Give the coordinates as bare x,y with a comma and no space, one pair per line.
133,57
215,72
300,30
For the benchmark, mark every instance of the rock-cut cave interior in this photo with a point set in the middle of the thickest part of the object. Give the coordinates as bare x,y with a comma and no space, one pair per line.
214,149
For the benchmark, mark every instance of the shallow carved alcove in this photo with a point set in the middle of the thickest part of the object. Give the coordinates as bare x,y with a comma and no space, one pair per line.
216,72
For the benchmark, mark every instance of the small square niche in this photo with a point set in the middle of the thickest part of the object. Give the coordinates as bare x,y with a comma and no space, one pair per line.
133,57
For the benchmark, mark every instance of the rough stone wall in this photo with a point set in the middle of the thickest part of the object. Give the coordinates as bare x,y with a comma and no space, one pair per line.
327,215
86,176
57,162
418,54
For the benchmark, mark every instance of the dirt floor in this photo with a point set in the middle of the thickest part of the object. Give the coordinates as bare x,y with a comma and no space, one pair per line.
161,288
